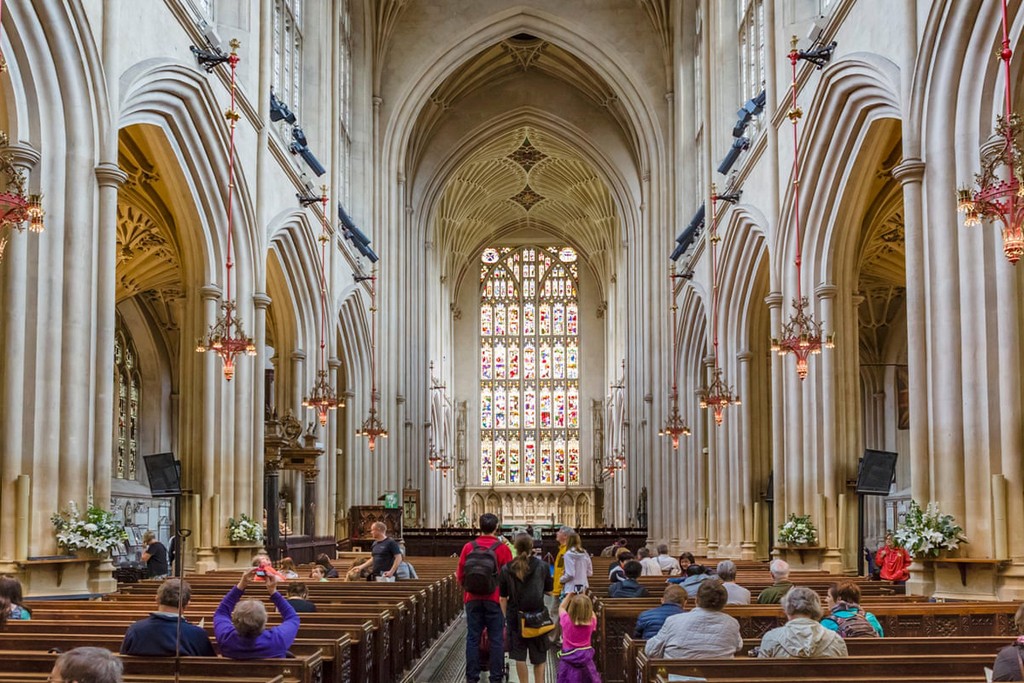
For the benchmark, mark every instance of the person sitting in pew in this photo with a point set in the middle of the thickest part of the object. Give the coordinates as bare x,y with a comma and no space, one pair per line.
802,636
155,636
405,569
287,569
650,621
893,562
846,617
241,627
649,563
316,573
1009,664
702,633
772,595
668,564
10,589
87,665
298,597
329,571
629,587
738,595
694,576
618,569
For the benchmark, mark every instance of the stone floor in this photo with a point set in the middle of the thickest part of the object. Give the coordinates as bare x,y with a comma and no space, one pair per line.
446,660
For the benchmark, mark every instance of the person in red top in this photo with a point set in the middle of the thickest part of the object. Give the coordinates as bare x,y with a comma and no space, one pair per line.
479,564
893,562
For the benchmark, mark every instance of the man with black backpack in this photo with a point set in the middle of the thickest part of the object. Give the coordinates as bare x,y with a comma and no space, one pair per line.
479,564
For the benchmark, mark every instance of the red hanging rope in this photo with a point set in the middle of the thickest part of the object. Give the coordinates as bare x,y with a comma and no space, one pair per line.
232,117
794,116
713,236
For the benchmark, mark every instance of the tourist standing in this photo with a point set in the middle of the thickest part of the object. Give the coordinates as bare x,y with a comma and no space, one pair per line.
155,556
578,567
522,586
477,572
387,554
576,662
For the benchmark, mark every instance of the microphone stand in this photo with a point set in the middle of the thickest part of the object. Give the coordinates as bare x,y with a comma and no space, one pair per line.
181,535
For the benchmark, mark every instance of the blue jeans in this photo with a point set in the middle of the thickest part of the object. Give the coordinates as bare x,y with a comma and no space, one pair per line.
480,615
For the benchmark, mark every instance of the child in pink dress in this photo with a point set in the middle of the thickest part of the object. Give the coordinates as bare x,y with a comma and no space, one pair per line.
576,660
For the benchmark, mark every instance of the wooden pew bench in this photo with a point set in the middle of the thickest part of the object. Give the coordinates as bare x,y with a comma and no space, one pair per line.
300,670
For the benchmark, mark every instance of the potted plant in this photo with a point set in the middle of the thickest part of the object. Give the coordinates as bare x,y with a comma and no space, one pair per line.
244,530
927,532
97,531
798,530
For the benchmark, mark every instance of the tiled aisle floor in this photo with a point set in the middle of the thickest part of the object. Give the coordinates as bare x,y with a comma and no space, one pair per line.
448,659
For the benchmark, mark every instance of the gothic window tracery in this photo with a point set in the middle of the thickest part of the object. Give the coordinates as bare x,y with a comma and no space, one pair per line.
287,57
128,399
529,366
751,40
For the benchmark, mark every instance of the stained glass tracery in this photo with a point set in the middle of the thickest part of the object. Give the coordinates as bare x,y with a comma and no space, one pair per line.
126,410
529,366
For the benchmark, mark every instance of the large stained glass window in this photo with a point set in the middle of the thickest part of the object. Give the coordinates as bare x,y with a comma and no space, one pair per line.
126,407
529,366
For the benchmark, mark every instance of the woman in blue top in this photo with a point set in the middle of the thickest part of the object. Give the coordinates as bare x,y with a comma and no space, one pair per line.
10,590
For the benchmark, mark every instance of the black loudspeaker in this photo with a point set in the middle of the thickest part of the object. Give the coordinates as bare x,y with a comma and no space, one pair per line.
164,474
875,475
769,492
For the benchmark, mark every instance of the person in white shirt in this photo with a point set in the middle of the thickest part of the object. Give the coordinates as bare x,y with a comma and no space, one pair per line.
738,595
668,564
702,633
650,565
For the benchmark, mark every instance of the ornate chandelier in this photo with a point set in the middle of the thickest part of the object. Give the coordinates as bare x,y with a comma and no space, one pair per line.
16,207
226,337
615,463
801,335
674,426
998,194
372,427
322,397
718,395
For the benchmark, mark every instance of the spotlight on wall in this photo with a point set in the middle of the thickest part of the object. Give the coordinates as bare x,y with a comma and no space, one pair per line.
300,147
738,145
818,56
751,108
279,111
208,59
689,234
356,236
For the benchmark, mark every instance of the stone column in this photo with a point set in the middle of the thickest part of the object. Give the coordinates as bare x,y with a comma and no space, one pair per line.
332,464
780,483
309,503
12,370
748,544
210,526
298,380
110,178
260,302
271,488
832,464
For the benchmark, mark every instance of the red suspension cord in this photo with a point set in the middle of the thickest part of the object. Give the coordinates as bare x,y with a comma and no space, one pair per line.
232,117
794,116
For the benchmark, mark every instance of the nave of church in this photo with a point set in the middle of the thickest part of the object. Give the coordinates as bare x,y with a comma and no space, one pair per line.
273,270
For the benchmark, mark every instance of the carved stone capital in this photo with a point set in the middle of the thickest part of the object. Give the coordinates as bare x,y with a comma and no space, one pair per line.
908,171
261,300
209,292
774,300
110,175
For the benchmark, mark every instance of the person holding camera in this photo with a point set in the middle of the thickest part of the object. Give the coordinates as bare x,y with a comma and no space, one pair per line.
522,586
241,625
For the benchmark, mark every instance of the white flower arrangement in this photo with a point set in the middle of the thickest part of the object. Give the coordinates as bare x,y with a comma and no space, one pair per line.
97,531
925,533
798,530
244,529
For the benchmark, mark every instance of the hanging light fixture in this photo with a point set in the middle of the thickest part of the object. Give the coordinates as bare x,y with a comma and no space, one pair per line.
674,426
801,335
998,194
322,397
372,427
718,395
226,337
616,462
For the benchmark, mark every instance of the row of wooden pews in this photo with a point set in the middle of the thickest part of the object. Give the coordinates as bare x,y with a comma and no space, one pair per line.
966,635
361,631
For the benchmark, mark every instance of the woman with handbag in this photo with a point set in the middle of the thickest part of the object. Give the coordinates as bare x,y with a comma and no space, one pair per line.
522,585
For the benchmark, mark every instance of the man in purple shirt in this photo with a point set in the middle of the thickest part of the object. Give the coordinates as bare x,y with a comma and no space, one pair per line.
241,627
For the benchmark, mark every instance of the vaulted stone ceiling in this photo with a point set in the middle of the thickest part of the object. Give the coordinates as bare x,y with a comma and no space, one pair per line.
525,179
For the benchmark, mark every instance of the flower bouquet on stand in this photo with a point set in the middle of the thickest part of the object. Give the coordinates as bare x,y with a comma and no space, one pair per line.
927,532
244,530
798,530
97,530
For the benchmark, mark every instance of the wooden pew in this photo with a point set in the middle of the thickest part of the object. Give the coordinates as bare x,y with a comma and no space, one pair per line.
618,618
300,670
861,647
932,667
